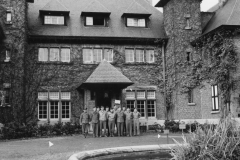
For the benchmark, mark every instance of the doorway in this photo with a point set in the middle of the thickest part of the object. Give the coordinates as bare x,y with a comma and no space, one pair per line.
104,98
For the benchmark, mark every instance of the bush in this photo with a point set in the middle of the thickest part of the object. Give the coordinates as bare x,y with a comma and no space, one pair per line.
15,130
211,142
172,125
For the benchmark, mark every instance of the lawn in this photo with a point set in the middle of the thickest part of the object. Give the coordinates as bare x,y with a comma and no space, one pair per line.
64,147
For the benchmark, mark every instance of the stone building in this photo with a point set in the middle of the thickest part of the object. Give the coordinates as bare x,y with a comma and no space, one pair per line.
59,56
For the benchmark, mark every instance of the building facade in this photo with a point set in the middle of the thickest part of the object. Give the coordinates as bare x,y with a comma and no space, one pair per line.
61,56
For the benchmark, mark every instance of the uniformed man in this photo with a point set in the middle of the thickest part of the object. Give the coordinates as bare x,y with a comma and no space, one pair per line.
107,125
95,121
124,124
98,109
84,121
102,118
120,121
115,110
136,116
128,121
111,121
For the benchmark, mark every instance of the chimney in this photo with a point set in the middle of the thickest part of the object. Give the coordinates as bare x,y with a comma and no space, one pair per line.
149,1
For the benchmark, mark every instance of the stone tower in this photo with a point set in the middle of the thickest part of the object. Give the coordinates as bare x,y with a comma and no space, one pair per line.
182,22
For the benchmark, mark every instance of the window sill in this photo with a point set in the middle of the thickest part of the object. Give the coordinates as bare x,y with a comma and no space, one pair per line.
215,112
56,63
139,63
96,26
7,60
188,28
191,104
8,22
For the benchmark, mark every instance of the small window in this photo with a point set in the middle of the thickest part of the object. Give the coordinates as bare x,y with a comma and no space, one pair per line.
42,95
42,110
136,22
139,55
151,95
65,54
130,94
129,54
140,94
66,95
150,56
8,55
66,109
87,55
215,98
97,55
151,109
43,54
108,55
54,109
54,95
189,56
190,96
58,20
54,54
95,21
9,17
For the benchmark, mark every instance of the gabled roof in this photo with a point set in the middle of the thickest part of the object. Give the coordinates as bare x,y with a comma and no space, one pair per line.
162,3
75,23
136,9
95,7
106,73
228,15
55,6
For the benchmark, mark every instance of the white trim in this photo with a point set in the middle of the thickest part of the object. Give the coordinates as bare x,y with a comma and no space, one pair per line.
215,112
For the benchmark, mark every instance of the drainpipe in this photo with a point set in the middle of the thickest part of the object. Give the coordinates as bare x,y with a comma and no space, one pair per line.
164,78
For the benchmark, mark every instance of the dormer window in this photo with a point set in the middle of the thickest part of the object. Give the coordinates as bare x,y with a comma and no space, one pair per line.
9,15
136,22
58,20
95,21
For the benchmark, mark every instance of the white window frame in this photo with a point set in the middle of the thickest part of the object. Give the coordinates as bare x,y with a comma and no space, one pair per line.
141,97
127,57
91,55
136,22
148,53
130,97
151,97
131,100
42,58
9,16
64,97
65,119
99,49
8,56
155,110
89,21
139,55
67,55
215,98
54,110
56,57
54,95
49,20
41,97
108,54
42,119
144,107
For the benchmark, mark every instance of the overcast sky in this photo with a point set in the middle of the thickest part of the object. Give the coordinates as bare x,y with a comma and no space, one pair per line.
206,4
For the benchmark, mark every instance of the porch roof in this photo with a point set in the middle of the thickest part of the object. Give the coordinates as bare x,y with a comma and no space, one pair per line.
106,73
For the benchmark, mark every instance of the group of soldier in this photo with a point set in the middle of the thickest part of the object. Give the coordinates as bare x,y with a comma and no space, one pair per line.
105,122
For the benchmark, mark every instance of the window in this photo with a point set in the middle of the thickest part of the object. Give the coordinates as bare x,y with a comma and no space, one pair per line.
9,16
130,104
87,55
150,56
130,94
58,20
129,53
8,55
54,110
189,56
139,55
65,110
140,94
52,101
43,54
54,54
42,110
215,101
136,22
65,54
108,55
141,108
97,55
151,109
95,21
190,96
151,95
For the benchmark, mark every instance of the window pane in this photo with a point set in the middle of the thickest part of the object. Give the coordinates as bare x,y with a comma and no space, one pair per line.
9,17
130,104
213,103
42,110
139,55
130,94
65,109
65,54
65,95
54,110
140,94
108,55
216,100
150,94
97,55
54,95
42,95
47,20
141,108
213,91
129,54
54,20
61,20
130,22
98,21
150,56
43,54
151,108
89,21
87,55
54,54
216,90
141,23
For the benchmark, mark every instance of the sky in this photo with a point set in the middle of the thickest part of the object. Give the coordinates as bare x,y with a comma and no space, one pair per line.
206,4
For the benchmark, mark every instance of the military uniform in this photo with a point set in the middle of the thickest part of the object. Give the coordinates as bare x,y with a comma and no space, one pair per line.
120,121
95,121
128,122
84,120
103,119
136,116
111,122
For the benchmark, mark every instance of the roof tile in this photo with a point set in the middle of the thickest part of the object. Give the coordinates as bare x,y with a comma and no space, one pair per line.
95,6
136,8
